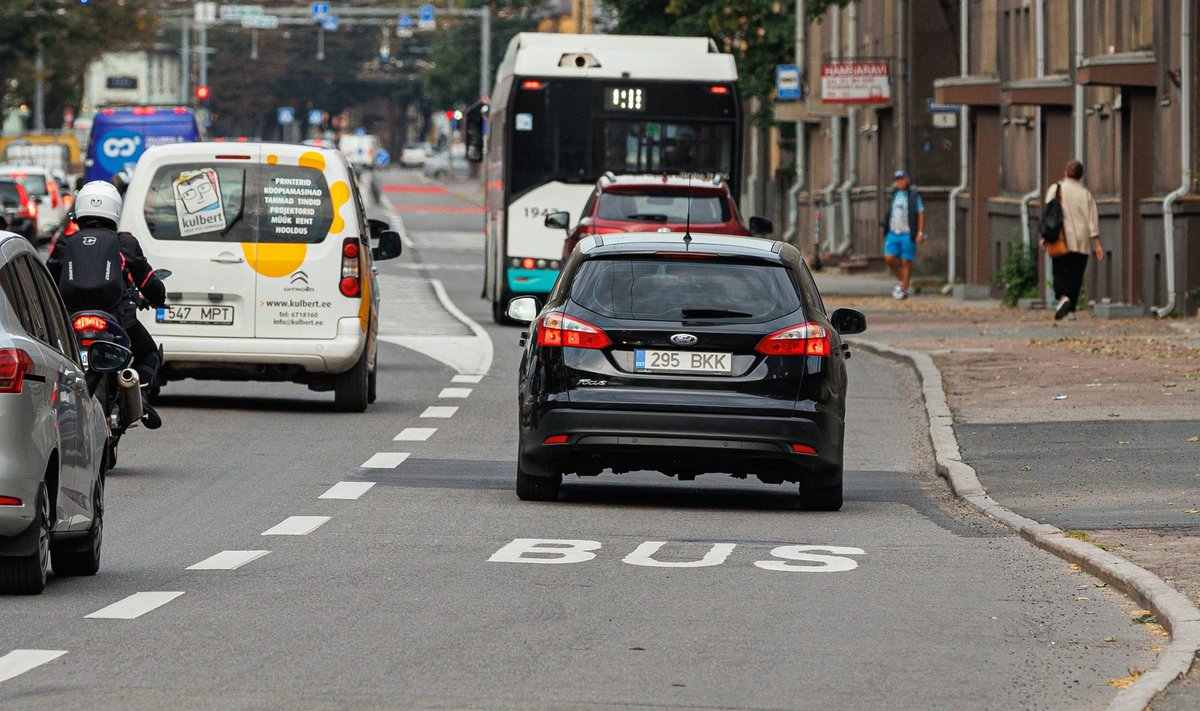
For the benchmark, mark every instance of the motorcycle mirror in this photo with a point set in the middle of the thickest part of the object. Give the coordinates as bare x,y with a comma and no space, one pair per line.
107,357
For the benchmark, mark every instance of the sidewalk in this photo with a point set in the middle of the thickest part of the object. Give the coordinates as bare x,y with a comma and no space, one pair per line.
1091,425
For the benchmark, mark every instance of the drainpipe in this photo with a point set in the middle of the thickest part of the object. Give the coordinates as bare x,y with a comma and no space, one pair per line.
801,181
1077,100
964,137
1185,151
1040,66
835,138
847,240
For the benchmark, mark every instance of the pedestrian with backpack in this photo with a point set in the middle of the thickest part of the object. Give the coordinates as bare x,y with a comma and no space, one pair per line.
98,268
1070,229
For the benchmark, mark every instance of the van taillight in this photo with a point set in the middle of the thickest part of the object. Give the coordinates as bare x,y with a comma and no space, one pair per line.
351,283
14,365
806,339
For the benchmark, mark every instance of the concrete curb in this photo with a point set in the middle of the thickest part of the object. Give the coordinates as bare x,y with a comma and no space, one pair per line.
1174,610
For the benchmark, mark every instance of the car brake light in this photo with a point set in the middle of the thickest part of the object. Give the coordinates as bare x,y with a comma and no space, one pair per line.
803,449
605,230
9,501
32,209
14,365
686,255
528,263
717,89
556,330
806,339
90,323
350,284
531,84
180,110
556,439
144,111
108,112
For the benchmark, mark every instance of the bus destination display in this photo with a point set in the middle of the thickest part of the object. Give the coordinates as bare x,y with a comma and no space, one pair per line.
625,99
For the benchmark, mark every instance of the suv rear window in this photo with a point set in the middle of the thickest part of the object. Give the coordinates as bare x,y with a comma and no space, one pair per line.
672,290
35,184
662,208
239,202
9,195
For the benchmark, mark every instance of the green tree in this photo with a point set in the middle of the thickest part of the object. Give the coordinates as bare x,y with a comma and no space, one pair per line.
453,77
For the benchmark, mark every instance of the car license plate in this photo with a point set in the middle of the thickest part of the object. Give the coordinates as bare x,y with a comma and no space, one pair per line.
196,315
682,361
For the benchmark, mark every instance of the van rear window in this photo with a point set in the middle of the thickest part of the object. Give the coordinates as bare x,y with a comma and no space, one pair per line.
239,202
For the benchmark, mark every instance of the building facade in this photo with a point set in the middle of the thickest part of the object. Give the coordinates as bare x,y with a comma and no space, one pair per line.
988,100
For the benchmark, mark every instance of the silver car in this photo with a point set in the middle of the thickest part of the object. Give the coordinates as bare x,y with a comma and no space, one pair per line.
53,433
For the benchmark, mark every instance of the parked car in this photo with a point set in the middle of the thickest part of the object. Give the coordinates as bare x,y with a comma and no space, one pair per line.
20,213
53,442
45,196
270,249
686,354
439,167
664,203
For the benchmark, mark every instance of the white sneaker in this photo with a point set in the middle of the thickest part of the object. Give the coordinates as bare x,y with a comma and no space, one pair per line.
897,292
903,295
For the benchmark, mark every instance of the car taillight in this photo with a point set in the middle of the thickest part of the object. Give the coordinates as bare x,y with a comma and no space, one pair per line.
350,284
806,339
9,501
556,330
32,209
14,365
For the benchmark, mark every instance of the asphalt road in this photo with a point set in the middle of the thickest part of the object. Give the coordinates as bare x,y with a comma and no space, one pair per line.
420,591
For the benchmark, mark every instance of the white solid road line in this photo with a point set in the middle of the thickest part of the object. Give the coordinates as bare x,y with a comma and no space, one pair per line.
385,460
442,412
414,434
134,606
19,661
466,378
296,526
348,490
228,560
455,392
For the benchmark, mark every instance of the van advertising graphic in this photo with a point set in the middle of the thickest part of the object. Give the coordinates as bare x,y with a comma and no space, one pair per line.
198,202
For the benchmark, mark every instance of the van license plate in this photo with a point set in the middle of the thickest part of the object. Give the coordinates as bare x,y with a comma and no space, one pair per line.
682,361
196,315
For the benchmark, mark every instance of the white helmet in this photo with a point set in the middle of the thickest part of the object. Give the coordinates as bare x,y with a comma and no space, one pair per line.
98,198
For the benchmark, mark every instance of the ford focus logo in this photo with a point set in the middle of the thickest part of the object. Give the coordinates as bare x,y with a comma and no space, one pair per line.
684,339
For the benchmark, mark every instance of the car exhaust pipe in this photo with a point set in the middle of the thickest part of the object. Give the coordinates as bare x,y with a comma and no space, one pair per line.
130,395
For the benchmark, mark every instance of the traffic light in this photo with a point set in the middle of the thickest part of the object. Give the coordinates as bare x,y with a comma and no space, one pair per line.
202,93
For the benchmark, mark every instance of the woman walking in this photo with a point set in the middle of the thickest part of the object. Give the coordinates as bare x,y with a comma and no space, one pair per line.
1081,235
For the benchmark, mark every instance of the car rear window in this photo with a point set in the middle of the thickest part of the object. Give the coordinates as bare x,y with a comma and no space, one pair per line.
9,196
674,290
663,208
35,184
239,202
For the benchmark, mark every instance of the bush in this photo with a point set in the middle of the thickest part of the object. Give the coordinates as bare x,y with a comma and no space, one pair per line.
1018,275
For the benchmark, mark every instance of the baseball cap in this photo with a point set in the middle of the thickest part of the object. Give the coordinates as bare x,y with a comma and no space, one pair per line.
902,173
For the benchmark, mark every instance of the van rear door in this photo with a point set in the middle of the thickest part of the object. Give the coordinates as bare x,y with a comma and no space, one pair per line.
202,215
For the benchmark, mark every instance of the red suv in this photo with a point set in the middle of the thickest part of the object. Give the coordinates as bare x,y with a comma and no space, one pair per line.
658,203
18,213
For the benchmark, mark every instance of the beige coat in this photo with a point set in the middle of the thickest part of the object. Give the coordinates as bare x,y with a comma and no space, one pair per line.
1081,222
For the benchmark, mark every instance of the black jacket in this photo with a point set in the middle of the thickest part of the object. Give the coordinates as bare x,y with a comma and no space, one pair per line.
137,269
913,221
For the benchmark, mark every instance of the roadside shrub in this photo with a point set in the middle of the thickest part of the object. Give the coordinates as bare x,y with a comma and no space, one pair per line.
1018,275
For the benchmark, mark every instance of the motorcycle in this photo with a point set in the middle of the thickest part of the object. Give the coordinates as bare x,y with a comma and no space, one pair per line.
117,389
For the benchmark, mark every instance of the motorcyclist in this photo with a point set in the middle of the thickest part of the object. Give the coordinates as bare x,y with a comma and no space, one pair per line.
97,209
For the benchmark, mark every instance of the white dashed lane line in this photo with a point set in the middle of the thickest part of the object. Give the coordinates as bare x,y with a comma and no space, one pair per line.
134,606
455,392
441,412
296,526
19,661
415,434
385,460
228,560
348,490
466,378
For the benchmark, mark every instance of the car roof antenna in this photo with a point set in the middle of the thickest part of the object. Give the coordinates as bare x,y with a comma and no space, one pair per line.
687,225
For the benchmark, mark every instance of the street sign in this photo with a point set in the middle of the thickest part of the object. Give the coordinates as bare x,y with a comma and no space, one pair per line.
285,115
936,108
316,117
320,10
260,22
330,24
425,17
382,158
404,22
855,83
206,13
237,12
787,82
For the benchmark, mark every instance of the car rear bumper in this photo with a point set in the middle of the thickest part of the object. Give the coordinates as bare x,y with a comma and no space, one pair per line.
192,354
685,444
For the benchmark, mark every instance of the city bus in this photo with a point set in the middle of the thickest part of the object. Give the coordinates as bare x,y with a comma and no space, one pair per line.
565,110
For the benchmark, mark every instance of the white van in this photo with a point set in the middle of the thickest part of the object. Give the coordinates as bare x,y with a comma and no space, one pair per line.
269,246
359,149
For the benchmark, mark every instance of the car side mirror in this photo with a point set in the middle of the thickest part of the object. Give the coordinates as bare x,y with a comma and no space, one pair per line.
523,309
377,227
761,226
558,220
107,357
389,247
476,129
848,321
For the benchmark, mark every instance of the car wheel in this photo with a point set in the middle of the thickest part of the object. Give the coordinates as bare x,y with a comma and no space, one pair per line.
823,497
537,488
26,575
83,558
350,392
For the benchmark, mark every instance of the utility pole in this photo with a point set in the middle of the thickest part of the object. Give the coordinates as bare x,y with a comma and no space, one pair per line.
485,51
39,90
202,41
185,62
903,21
320,44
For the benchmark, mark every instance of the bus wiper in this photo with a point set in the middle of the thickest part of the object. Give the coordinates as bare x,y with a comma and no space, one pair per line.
647,216
713,313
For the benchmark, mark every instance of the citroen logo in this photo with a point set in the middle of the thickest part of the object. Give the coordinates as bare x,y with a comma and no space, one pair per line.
684,339
300,278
